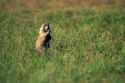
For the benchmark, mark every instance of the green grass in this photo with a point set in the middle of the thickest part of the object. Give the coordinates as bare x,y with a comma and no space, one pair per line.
88,46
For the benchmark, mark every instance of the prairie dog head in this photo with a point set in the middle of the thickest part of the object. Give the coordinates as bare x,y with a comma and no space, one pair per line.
44,28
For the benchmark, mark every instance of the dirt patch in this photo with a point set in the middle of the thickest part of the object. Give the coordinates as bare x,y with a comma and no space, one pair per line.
30,3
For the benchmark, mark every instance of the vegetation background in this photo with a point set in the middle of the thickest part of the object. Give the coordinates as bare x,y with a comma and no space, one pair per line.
88,44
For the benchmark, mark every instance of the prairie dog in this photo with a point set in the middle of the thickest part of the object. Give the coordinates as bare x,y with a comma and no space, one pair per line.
44,37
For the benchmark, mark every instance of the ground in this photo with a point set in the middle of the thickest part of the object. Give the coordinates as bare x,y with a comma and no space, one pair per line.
87,46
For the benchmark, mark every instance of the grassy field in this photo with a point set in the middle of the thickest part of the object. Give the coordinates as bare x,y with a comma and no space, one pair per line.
88,44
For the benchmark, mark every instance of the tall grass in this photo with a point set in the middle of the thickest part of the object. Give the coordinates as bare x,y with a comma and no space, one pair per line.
87,45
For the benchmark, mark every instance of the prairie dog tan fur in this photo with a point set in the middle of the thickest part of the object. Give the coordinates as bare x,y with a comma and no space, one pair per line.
44,37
